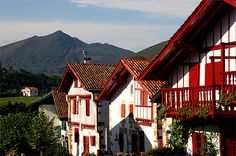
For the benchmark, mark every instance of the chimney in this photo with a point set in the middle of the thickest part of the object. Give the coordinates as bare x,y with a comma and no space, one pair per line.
87,60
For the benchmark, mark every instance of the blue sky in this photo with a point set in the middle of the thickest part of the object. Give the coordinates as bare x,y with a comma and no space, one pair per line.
130,24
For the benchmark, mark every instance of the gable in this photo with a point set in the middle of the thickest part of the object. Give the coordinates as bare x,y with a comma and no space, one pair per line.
188,37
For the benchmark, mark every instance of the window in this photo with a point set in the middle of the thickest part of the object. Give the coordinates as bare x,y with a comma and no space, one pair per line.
75,83
63,125
122,110
74,106
93,140
143,98
76,134
87,107
131,89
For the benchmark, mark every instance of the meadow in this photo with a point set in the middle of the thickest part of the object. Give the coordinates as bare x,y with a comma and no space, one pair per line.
24,99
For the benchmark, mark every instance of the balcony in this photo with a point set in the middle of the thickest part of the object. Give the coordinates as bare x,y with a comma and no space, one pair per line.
202,100
144,113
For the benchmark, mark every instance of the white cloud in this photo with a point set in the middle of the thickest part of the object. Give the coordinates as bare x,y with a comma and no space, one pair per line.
133,37
180,8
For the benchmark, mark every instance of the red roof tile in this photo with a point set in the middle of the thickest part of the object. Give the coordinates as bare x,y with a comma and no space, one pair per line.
60,104
92,76
135,67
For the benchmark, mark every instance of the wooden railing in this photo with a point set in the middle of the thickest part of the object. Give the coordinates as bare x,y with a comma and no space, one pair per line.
228,95
230,82
192,98
144,112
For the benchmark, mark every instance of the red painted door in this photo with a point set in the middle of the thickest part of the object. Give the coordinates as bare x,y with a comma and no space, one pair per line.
209,73
194,75
86,144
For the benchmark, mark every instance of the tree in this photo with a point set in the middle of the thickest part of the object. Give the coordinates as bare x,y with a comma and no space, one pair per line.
24,132
13,129
42,134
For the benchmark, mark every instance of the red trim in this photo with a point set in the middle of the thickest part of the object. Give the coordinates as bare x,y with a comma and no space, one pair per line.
230,2
80,95
176,36
75,123
87,126
109,82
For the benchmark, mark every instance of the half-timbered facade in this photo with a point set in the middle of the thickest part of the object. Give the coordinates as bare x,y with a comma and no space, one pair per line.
132,125
82,83
199,64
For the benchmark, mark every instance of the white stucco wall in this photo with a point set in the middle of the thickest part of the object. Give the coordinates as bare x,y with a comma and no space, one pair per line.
119,124
50,111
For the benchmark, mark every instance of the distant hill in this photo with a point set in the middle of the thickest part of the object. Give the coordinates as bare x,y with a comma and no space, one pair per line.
50,54
150,52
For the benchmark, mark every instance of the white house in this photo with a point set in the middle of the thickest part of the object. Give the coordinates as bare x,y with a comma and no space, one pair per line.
54,106
82,83
29,91
199,62
133,127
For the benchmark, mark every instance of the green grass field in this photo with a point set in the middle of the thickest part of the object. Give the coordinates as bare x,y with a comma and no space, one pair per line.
18,99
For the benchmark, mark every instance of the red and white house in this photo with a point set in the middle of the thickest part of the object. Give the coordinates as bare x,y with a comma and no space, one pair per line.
199,64
132,125
82,83
30,91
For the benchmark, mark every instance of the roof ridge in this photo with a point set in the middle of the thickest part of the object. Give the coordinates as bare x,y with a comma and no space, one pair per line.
92,64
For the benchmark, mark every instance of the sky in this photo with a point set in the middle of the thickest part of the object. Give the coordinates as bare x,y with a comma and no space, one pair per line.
129,24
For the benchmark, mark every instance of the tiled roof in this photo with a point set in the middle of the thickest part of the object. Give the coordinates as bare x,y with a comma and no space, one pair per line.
92,76
60,104
33,88
136,67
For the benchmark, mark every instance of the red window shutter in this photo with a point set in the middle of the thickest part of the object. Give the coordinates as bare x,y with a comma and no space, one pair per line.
92,140
143,98
131,108
75,83
194,143
87,107
122,110
76,134
74,106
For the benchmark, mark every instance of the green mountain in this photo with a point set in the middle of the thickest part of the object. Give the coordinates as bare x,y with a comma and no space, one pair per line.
150,52
50,54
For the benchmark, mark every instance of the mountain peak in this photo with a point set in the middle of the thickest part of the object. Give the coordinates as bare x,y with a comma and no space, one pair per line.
49,54
59,33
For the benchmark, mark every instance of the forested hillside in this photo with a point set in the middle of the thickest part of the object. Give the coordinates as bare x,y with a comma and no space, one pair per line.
12,81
